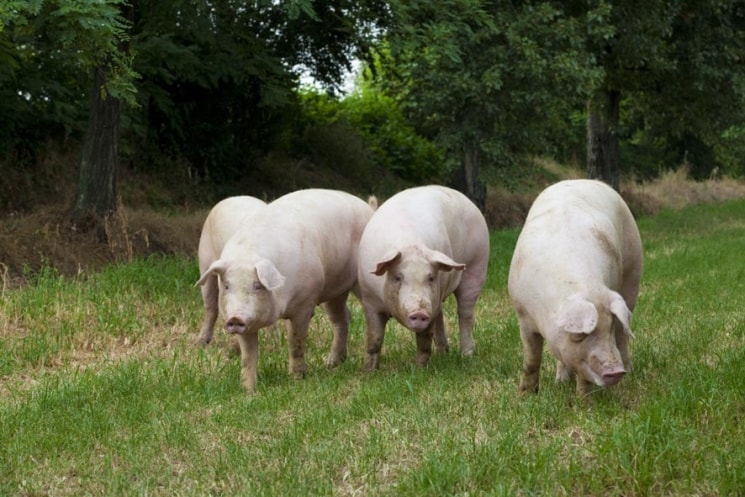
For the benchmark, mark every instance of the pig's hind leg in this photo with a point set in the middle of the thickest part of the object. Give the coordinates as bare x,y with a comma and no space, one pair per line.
339,315
466,295
374,333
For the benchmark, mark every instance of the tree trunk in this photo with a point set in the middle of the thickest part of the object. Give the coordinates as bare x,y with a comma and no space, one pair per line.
603,160
466,179
96,194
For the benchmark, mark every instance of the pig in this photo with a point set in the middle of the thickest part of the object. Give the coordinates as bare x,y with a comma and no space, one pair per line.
221,223
420,246
574,280
297,252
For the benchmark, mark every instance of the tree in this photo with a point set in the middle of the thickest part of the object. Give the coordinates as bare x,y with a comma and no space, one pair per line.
680,63
96,193
113,82
485,79
219,78
91,34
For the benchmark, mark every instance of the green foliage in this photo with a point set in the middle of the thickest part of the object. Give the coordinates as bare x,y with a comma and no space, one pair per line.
685,93
217,80
730,152
391,142
510,77
50,49
219,89
500,77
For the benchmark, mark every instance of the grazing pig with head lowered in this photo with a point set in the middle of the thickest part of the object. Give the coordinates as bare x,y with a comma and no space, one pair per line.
222,222
297,252
574,280
420,246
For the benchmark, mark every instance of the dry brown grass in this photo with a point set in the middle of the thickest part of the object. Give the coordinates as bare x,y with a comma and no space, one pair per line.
674,189
46,236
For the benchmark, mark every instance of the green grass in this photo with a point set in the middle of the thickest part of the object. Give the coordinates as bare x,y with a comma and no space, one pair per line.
102,392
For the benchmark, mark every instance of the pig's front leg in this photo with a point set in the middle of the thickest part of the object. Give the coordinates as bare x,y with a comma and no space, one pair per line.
297,332
374,333
249,344
209,298
440,337
584,387
423,346
622,342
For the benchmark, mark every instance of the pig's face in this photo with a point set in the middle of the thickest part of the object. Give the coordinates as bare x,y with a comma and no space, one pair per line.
412,289
586,339
248,300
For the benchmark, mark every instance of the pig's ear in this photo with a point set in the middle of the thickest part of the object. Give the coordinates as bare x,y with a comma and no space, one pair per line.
217,267
383,264
269,275
577,315
619,309
443,262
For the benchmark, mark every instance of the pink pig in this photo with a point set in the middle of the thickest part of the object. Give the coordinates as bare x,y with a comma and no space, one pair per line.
574,280
420,246
222,222
288,257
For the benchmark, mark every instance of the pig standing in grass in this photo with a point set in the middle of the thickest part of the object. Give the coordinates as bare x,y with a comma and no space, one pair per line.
574,280
222,222
297,252
420,246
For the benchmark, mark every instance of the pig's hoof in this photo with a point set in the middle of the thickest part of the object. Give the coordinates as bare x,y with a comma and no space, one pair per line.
298,372
234,349
422,360
527,386
334,360
371,364
249,387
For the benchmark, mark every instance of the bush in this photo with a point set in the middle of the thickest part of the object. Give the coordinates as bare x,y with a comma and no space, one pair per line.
390,143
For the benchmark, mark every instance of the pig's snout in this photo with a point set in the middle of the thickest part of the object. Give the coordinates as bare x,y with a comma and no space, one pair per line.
612,375
235,325
418,321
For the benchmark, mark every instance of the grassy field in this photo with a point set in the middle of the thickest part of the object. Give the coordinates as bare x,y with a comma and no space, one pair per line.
103,393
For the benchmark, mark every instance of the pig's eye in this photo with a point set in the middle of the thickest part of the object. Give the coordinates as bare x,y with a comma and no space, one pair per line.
398,278
258,286
430,278
226,286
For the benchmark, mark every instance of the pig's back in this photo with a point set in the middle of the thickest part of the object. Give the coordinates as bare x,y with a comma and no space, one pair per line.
223,221
436,216
312,237
576,230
